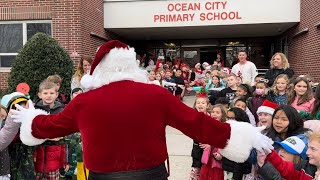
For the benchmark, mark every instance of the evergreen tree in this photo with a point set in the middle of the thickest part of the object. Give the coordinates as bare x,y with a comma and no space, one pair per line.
41,57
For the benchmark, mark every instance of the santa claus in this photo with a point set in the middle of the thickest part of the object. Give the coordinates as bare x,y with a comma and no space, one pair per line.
119,140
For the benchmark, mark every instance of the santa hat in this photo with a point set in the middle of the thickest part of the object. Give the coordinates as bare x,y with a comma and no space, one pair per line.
267,107
114,61
198,64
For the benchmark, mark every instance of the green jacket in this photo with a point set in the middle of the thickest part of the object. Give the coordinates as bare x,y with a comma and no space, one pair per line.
307,115
74,153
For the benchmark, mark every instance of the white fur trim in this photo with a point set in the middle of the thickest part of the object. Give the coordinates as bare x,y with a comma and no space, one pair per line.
118,65
240,143
265,109
87,81
25,130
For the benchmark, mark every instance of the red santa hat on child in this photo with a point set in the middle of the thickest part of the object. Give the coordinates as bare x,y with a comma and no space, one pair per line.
267,107
114,61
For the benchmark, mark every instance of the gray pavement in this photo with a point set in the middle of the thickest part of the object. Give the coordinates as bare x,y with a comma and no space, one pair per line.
179,148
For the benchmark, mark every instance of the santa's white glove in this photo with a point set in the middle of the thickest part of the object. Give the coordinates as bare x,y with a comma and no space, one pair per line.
25,116
243,138
262,142
21,112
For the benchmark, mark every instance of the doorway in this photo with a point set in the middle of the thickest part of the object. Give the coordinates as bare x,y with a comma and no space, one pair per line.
210,54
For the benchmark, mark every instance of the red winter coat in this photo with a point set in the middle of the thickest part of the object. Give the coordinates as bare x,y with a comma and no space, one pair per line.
286,169
49,158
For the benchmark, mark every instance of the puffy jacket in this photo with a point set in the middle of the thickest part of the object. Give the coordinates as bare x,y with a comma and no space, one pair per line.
302,171
49,158
51,155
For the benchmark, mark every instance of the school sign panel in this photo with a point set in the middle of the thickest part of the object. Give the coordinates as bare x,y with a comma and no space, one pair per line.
149,14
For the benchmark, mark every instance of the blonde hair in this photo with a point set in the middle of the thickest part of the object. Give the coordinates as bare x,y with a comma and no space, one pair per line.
315,136
80,72
46,84
283,76
207,101
284,60
55,79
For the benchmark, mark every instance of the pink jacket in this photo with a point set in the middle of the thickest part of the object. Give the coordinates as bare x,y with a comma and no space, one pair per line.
8,132
307,106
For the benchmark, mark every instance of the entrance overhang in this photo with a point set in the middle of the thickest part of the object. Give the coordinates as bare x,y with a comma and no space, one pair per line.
154,20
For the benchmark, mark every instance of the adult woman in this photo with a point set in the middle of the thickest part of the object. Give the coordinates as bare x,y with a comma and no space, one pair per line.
278,65
83,67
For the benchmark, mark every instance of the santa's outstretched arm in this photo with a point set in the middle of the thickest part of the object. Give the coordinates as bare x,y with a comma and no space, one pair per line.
236,139
45,126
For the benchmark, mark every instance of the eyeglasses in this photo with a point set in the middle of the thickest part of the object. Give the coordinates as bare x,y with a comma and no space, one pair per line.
230,118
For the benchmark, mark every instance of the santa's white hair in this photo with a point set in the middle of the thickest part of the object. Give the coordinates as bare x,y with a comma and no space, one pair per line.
118,65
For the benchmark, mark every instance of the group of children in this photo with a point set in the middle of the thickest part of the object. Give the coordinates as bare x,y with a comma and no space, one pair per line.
282,108
56,158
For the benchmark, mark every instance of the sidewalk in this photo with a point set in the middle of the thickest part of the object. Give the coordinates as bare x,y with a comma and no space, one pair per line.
179,148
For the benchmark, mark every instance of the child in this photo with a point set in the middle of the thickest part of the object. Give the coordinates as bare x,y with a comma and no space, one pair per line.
185,75
233,170
286,122
21,166
169,79
215,83
75,150
198,74
180,86
257,99
279,94
223,101
230,91
207,78
201,104
4,154
211,159
315,113
58,81
307,169
243,90
159,78
293,150
242,104
152,78
257,79
265,112
301,97
50,156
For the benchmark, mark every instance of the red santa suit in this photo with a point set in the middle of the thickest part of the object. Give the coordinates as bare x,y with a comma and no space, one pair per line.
116,135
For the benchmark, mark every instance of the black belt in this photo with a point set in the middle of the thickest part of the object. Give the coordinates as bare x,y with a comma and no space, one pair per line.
155,173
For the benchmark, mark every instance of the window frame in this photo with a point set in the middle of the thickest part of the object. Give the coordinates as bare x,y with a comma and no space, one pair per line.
24,36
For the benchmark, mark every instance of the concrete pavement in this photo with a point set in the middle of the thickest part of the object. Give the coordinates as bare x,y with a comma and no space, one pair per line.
179,148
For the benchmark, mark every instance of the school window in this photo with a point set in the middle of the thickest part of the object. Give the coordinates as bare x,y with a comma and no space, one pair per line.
13,35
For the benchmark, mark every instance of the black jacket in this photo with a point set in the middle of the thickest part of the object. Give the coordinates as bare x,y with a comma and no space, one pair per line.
269,172
238,169
308,168
58,107
196,155
271,74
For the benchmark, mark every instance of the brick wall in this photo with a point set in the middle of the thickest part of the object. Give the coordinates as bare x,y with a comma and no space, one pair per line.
91,22
304,50
72,22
